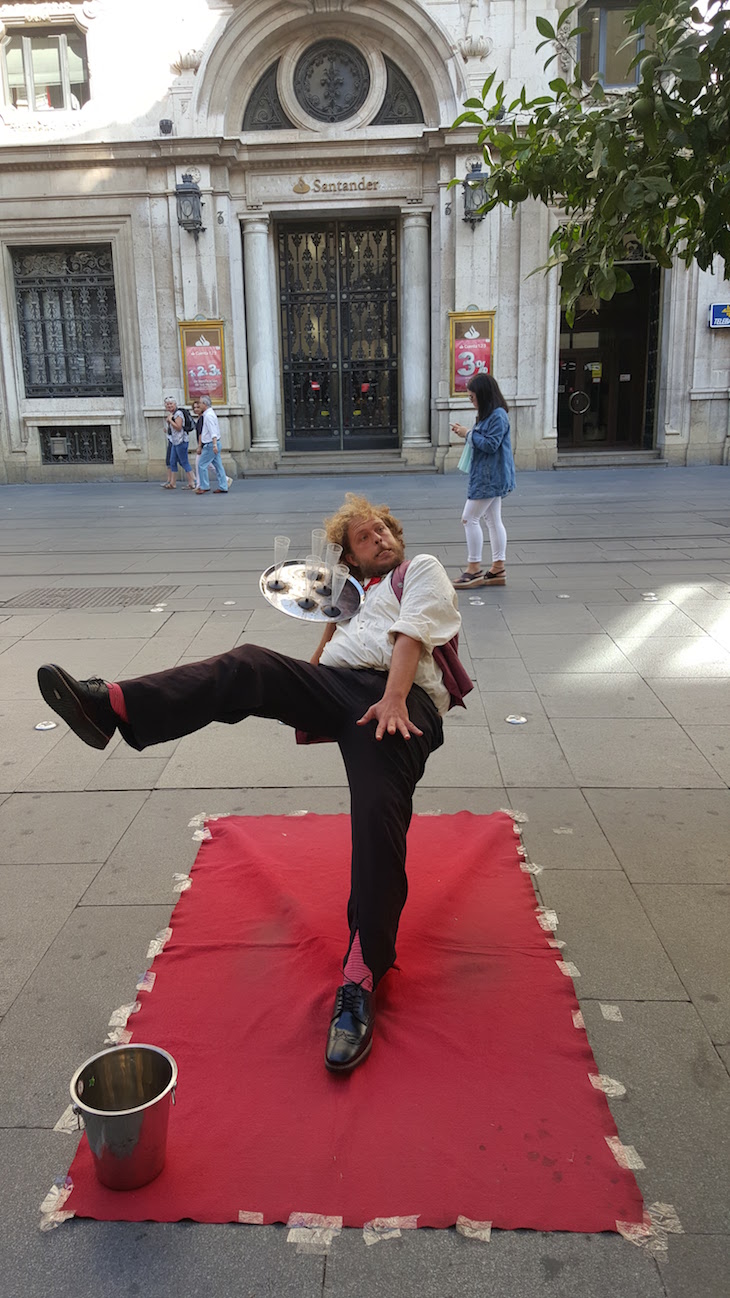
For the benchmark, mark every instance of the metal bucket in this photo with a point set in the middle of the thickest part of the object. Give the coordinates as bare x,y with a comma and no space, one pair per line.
124,1095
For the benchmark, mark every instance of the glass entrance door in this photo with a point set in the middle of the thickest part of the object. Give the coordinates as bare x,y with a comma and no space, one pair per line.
585,394
338,317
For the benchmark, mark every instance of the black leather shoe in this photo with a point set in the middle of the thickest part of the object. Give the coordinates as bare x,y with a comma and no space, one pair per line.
83,705
350,1037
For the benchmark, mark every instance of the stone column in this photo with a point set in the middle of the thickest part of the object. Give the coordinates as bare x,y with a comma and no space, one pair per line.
261,335
415,333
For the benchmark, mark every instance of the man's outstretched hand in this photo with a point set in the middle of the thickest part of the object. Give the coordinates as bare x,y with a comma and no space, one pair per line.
392,717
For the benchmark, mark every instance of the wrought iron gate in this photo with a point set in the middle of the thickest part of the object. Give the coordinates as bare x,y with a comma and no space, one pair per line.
338,303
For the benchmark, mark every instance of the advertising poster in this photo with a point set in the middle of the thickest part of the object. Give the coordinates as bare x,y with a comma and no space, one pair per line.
472,344
203,357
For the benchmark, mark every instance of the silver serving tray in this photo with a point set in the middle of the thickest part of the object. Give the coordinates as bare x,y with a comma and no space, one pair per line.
292,572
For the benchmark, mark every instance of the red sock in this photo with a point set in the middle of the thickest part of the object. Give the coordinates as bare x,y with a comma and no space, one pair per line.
356,971
116,698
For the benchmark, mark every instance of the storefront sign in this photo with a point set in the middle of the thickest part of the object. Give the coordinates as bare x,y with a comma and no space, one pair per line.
720,315
340,184
471,347
204,363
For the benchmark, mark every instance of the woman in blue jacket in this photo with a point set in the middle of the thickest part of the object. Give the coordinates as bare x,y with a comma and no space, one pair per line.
492,476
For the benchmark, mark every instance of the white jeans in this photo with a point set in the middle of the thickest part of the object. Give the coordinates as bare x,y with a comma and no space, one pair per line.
491,511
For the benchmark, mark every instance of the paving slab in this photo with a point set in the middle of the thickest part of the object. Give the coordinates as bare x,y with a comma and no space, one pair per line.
714,742
498,706
643,622
50,828
692,922
69,766
529,758
60,1018
676,1112
682,656
633,754
561,617
561,832
571,653
97,624
137,771
250,755
608,936
82,658
696,1266
521,1264
35,902
466,761
24,746
677,836
502,675
164,1259
699,701
586,694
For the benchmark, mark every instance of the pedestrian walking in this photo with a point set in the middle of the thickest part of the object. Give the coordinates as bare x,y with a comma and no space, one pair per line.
177,436
210,440
491,477
198,424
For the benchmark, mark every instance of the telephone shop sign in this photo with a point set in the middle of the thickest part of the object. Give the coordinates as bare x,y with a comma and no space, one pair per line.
720,315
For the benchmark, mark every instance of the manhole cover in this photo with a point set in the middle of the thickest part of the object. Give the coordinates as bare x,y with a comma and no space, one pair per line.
90,596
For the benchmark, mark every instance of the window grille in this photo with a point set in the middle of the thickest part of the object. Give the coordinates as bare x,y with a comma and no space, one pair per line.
67,317
88,444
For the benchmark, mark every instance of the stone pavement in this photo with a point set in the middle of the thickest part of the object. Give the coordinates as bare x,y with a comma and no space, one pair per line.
623,770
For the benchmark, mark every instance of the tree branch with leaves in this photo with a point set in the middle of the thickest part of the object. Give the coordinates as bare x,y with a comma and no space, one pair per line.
649,164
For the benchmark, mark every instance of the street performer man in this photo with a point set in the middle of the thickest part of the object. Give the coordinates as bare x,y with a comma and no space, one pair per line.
372,685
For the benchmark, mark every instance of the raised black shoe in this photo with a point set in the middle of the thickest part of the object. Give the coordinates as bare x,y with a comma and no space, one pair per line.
83,705
350,1035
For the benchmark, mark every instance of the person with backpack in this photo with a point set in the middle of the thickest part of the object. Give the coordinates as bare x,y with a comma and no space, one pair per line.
491,477
375,685
179,425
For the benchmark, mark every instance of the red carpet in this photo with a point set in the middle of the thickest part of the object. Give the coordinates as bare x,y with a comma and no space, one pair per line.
476,1098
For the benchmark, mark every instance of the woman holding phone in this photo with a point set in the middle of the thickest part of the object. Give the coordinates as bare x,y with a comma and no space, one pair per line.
491,476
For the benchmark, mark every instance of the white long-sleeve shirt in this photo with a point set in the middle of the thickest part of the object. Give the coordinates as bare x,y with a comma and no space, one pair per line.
427,612
211,427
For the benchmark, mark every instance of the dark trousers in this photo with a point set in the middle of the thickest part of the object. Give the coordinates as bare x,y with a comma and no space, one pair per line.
249,681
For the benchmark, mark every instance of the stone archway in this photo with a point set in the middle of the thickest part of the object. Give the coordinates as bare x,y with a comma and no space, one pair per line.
259,34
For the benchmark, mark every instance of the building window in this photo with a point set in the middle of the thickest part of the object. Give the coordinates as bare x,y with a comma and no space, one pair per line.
44,68
89,444
67,317
331,81
264,111
603,31
400,104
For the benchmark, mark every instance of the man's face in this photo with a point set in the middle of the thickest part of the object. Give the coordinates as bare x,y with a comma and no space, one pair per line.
372,548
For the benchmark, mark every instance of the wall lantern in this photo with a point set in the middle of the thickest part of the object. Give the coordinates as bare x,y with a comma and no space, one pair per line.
189,207
475,193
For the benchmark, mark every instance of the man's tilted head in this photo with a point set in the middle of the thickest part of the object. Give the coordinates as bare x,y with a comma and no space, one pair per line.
370,536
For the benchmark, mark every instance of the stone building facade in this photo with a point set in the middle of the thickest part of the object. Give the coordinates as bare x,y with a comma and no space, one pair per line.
320,289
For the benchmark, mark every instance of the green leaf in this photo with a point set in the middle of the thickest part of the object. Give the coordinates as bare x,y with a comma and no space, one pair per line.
467,117
545,28
473,103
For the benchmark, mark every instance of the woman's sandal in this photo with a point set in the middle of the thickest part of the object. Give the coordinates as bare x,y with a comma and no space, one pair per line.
494,578
468,579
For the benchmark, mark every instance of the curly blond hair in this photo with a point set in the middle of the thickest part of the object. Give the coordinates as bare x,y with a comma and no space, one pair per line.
353,508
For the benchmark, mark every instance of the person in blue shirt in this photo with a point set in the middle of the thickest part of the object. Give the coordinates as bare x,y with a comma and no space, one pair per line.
491,476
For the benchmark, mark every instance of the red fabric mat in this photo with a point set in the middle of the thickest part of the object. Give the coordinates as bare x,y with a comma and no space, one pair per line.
476,1098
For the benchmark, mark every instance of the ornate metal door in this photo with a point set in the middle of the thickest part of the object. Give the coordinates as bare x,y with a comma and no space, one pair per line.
338,302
